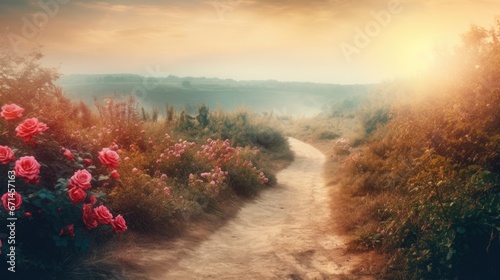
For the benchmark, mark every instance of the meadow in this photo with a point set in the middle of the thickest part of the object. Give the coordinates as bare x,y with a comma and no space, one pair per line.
413,165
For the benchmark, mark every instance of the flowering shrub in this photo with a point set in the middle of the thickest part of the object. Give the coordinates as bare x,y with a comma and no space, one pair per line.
65,172
436,168
57,218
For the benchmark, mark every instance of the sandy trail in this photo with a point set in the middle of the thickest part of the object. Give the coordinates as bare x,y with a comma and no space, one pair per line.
282,234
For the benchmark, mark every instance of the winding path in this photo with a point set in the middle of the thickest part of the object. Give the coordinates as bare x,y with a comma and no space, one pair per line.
282,234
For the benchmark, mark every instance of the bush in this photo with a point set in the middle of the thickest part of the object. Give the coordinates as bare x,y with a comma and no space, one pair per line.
439,161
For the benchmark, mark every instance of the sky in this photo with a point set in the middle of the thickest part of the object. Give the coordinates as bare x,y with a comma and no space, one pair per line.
327,41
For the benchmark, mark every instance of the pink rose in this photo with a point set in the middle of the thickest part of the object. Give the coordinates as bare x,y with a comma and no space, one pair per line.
88,217
102,215
92,199
11,111
119,224
109,158
81,179
15,200
77,195
29,128
114,174
166,191
67,153
6,155
28,168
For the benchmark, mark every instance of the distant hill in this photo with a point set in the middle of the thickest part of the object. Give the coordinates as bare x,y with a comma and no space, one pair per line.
290,98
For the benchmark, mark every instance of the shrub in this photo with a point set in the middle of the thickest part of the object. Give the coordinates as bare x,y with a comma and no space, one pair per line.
439,161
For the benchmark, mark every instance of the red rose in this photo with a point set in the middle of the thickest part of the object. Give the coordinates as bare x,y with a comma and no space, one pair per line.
87,161
102,215
109,158
81,179
11,111
114,174
28,168
67,153
88,217
29,128
68,230
92,199
15,200
119,224
6,155
77,195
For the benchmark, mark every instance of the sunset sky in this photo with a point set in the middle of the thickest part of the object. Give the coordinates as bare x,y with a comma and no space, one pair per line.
287,40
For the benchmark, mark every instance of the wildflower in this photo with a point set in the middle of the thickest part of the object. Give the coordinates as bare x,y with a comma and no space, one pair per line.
166,190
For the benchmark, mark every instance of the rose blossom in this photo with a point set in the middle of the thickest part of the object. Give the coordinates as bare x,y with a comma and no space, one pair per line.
102,215
92,199
88,217
81,179
109,158
67,153
11,111
28,168
6,155
114,174
14,198
29,128
119,224
68,230
87,161
77,195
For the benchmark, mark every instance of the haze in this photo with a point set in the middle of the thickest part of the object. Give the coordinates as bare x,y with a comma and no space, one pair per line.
286,40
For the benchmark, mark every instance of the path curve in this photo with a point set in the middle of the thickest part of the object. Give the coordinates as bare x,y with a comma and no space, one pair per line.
282,234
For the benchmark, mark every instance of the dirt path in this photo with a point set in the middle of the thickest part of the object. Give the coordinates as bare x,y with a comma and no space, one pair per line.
285,233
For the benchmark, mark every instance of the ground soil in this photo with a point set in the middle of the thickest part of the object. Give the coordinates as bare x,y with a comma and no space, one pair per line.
288,232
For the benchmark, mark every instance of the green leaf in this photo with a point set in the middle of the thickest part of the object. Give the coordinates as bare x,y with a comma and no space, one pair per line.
461,230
